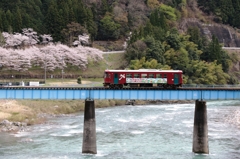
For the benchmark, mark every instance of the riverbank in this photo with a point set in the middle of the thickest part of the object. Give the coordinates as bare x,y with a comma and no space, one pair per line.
17,115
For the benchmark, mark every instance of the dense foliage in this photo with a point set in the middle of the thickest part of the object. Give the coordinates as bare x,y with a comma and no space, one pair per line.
156,45
225,11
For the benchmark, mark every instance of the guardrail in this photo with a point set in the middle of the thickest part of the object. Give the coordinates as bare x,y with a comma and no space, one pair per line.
209,86
99,84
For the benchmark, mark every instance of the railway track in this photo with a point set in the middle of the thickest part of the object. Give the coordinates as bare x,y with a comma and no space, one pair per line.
103,88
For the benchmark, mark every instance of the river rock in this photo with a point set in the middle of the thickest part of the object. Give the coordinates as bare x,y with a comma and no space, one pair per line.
7,126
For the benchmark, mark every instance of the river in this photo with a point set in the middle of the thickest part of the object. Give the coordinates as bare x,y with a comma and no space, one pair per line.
130,132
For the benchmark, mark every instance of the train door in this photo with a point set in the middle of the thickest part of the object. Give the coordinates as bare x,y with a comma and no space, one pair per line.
176,78
115,78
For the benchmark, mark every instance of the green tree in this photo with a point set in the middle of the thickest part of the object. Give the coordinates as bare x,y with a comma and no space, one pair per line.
4,22
236,5
193,52
214,52
227,11
148,29
109,30
9,17
147,64
177,59
196,37
174,41
90,24
169,12
136,51
201,72
1,20
17,26
105,7
54,21
158,19
155,50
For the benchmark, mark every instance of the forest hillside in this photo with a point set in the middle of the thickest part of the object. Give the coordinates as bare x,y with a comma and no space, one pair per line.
161,34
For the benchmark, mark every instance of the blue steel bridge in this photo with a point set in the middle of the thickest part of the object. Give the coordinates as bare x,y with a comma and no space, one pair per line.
75,93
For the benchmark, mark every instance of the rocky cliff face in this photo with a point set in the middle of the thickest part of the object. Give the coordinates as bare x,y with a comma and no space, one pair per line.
225,34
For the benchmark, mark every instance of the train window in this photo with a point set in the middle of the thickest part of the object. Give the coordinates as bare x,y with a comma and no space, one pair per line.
144,75
158,76
129,75
106,75
151,75
136,75
165,75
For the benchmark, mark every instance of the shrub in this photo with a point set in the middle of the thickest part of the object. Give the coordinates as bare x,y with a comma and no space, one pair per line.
79,80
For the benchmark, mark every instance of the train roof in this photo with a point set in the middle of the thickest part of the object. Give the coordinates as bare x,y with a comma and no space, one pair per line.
144,70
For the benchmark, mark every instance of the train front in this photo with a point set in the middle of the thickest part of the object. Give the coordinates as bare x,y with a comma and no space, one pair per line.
107,78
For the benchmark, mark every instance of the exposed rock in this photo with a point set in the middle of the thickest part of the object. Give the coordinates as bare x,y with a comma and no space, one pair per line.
7,126
225,34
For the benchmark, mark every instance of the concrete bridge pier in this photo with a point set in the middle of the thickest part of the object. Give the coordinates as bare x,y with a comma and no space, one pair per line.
200,129
89,129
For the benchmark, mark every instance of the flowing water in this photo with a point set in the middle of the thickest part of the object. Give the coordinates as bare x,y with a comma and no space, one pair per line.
131,132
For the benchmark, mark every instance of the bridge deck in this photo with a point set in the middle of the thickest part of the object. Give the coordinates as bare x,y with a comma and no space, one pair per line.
74,93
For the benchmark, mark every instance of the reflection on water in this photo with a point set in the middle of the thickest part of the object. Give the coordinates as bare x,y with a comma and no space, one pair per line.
131,132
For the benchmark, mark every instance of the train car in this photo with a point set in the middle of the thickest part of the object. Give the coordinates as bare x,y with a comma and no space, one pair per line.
143,78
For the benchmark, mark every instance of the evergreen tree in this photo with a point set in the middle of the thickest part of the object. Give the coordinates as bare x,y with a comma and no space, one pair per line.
17,25
158,19
154,18
148,29
90,24
227,11
9,17
214,52
236,4
104,7
5,23
1,20
72,16
54,22
196,37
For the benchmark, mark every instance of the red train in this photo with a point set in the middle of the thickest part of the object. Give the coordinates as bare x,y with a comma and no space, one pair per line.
143,78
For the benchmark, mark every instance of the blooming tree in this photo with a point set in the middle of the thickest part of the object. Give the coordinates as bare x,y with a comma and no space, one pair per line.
46,38
32,36
28,37
49,56
14,40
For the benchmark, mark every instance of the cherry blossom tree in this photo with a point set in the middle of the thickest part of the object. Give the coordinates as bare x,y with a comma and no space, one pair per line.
32,36
46,38
14,56
14,40
51,56
28,37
